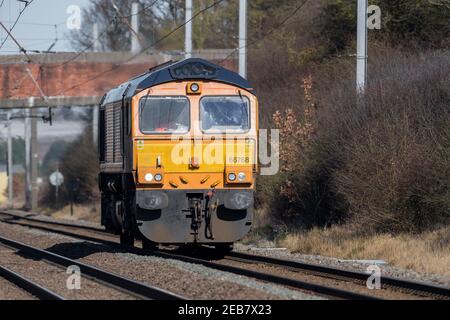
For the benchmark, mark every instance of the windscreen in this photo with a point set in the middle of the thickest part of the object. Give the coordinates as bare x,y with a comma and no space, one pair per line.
164,115
225,114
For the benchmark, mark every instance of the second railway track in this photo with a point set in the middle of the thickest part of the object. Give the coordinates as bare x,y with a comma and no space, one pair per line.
128,286
32,287
409,287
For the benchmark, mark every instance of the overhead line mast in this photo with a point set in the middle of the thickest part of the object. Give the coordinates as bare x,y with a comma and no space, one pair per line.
243,38
188,30
361,47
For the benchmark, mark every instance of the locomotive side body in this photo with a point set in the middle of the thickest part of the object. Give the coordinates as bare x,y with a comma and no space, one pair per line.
178,156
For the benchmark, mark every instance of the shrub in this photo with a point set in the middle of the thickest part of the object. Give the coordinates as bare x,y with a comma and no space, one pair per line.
79,167
381,162
394,170
53,157
423,24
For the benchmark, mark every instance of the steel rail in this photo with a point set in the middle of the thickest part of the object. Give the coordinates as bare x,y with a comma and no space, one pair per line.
109,279
29,217
415,286
319,289
302,285
28,285
326,271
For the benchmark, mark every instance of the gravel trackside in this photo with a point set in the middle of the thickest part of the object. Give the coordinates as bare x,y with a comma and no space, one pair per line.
9,291
55,278
190,280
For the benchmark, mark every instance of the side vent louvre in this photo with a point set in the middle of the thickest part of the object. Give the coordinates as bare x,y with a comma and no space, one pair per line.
113,136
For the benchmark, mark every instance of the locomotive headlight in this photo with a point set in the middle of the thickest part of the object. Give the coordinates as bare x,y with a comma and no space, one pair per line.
241,176
195,87
158,177
232,176
148,177
239,200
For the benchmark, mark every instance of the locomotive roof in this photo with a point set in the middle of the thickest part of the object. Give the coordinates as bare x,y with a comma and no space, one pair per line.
188,69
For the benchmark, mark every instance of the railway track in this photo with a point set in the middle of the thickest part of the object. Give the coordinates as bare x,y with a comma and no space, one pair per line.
109,240
32,287
114,281
410,287
337,273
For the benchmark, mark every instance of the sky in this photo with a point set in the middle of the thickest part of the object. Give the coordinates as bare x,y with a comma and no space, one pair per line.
35,29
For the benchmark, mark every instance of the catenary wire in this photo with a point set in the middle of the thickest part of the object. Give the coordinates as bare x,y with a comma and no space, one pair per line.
282,23
15,22
145,49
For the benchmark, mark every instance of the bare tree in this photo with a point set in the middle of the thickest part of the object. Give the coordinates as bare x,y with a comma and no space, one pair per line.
215,28
113,33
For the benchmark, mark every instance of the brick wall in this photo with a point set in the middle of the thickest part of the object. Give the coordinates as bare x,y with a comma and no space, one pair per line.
61,80
71,79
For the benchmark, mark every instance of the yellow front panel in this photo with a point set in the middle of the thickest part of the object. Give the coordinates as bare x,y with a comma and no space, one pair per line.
213,156
148,152
175,160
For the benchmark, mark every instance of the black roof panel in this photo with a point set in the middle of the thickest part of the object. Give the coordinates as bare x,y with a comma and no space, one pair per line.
188,69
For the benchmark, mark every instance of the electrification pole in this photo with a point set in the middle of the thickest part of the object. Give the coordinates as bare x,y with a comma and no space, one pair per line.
135,45
188,30
361,45
10,162
243,38
31,157
136,40
96,46
27,157
95,108
95,124
34,161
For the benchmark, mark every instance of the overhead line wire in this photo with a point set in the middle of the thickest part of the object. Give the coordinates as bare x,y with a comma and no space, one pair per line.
15,22
282,23
145,49
91,44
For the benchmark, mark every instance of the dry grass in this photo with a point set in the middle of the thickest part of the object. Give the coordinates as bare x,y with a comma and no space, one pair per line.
88,212
427,252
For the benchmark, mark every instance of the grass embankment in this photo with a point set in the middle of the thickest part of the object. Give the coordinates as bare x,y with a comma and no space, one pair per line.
427,252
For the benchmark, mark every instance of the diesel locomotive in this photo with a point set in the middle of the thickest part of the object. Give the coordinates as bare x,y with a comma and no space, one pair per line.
178,156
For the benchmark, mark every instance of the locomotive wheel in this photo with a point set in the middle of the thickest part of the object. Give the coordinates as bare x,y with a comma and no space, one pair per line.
126,240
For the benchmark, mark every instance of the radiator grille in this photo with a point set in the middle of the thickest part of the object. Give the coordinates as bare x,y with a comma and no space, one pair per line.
113,139
117,134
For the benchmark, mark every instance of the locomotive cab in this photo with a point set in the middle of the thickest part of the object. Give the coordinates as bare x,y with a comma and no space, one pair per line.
178,150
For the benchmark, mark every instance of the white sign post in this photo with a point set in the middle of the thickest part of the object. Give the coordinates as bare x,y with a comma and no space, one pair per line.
56,179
